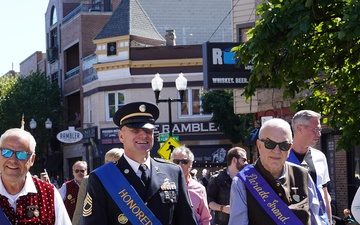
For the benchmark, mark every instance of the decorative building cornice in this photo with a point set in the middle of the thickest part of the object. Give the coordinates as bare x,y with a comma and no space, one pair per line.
148,64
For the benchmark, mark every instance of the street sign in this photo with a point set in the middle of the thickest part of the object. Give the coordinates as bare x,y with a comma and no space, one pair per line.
166,150
69,136
163,137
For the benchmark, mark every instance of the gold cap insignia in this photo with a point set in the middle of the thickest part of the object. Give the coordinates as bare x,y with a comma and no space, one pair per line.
142,108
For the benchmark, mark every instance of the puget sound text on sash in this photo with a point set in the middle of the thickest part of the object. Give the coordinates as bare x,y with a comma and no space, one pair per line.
271,203
135,209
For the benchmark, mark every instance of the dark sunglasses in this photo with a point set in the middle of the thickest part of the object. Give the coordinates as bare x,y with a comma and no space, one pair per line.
269,144
183,161
77,171
21,155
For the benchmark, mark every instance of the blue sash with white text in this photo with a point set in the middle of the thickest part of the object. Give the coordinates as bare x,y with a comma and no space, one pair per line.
125,196
3,218
322,210
266,197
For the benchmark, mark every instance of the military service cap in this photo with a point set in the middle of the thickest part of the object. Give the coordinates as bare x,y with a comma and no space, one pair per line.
137,115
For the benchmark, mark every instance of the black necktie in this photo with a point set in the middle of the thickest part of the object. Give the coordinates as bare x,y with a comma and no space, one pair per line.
144,176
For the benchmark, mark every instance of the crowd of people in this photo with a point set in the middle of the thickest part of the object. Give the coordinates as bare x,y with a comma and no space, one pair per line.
287,184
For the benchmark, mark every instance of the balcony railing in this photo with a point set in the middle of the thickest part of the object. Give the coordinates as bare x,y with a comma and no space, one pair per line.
87,8
72,72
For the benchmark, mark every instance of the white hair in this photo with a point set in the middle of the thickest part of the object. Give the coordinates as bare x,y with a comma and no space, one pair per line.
276,123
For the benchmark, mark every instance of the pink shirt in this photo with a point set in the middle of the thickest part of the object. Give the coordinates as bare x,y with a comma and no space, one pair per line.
199,201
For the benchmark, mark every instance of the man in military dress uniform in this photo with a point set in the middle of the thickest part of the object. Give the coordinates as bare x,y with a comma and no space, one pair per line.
137,189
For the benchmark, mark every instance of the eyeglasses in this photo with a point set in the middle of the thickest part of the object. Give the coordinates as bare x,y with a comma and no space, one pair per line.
183,161
77,171
21,155
315,129
269,144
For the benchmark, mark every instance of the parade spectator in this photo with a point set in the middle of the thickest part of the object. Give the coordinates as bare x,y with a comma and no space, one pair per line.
185,158
193,174
54,182
25,199
70,189
155,186
113,155
348,219
272,189
44,177
205,178
307,131
220,183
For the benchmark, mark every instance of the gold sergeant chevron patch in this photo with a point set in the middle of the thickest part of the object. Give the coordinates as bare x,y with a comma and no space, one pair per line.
87,207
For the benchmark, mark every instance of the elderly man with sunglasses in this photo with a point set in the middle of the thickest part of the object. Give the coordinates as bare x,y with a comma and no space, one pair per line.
185,158
273,191
25,199
70,189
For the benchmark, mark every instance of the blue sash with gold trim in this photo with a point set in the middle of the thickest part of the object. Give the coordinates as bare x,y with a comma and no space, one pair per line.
267,198
125,196
3,218
322,209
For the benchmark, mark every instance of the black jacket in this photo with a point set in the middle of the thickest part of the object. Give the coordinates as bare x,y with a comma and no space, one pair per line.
219,191
174,210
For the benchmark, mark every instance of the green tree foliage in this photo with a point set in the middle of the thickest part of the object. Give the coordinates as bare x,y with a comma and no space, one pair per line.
34,96
6,84
310,45
220,104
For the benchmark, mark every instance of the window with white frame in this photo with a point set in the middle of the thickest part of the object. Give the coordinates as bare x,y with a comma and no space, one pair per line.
114,101
191,105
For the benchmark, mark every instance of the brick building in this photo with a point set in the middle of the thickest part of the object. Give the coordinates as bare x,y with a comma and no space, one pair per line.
35,62
72,25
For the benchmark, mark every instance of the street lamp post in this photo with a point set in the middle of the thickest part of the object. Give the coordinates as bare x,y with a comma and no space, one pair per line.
48,126
157,85
33,124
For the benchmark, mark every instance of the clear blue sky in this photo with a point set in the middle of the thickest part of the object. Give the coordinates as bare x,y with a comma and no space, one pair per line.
22,27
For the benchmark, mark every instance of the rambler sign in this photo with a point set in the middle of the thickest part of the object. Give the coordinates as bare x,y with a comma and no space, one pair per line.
220,68
203,127
69,136
110,135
